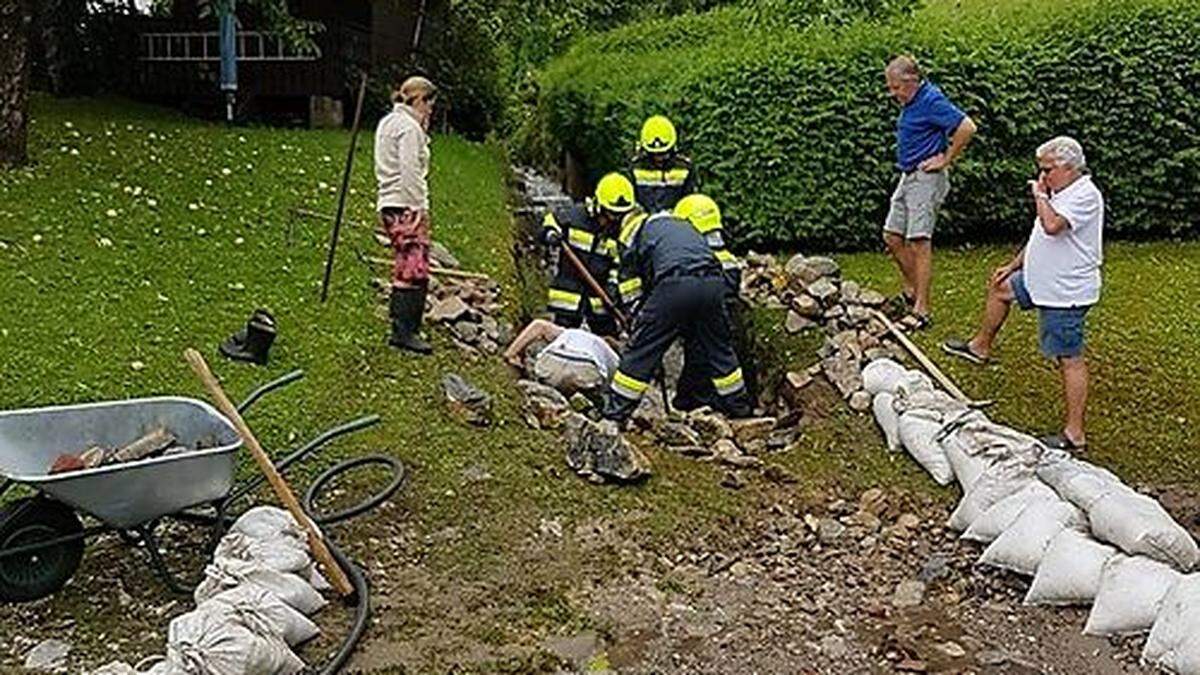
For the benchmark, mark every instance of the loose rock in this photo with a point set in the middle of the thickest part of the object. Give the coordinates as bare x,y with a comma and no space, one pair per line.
48,655
467,402
909,593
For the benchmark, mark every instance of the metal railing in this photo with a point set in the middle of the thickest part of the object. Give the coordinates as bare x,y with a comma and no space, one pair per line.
205,46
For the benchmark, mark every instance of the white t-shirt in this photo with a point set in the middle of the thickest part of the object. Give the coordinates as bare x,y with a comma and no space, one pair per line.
580,345
1063,270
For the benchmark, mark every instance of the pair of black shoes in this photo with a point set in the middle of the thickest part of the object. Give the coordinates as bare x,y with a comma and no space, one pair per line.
406,308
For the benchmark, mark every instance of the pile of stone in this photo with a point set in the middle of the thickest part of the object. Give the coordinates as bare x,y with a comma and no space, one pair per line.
815,296
472,311
467,304
709,436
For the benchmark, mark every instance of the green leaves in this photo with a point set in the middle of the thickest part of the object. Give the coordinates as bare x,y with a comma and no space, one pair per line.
793,130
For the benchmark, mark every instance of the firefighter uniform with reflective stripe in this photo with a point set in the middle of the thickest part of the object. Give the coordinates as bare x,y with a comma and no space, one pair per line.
658,185
694,389
670,277
570,299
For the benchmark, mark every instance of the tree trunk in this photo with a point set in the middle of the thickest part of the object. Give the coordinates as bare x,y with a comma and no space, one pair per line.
14,81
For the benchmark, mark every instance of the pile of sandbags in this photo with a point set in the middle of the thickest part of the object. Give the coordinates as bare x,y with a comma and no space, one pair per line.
1083,536
252,607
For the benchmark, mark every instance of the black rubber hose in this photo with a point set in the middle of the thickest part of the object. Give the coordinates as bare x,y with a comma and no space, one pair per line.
358,579
322,481
362,610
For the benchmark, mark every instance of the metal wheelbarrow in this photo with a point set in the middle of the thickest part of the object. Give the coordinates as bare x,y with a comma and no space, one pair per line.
42,537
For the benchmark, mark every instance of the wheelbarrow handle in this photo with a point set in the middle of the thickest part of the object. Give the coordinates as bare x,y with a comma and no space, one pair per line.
268,388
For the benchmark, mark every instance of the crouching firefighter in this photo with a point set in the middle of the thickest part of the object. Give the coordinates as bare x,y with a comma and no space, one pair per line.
570,299
705,217
661,175
672,284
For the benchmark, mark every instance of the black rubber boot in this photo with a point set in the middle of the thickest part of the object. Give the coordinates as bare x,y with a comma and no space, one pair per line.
252,343
406,308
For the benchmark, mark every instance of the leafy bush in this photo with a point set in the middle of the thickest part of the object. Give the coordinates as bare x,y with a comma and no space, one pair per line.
793,130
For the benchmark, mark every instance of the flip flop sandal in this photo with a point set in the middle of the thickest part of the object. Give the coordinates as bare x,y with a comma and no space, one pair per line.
962,349
1061,442
916,322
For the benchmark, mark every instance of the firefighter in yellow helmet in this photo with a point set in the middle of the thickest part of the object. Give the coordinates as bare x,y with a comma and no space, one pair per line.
705,217
674,287
661,174
582,228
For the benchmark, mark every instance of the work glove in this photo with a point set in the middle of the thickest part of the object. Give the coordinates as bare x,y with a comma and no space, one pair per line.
551,237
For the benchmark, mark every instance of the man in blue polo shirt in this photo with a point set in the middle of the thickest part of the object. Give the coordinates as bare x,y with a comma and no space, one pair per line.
930,134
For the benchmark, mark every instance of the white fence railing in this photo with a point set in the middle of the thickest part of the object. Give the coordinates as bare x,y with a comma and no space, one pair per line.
205,46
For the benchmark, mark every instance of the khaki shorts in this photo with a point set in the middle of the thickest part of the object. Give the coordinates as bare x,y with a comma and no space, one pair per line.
915,202
567,375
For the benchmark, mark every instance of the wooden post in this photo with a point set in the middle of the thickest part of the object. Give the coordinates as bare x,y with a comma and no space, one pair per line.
316,541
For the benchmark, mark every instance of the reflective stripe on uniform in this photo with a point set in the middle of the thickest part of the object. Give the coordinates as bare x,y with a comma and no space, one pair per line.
652,177
598,306
676,176
714,238
610,248
630,289
660,178
628,387
564,300
728,260
629,228
581,239
730,383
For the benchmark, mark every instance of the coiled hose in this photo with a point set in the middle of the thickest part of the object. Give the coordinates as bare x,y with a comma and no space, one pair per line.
358,579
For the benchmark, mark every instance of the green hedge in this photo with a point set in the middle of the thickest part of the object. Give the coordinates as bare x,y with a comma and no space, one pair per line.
794,131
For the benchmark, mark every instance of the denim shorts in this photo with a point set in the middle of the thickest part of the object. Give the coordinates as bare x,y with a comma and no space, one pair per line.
1060,329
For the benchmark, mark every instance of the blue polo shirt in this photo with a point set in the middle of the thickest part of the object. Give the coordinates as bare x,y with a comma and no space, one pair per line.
925,125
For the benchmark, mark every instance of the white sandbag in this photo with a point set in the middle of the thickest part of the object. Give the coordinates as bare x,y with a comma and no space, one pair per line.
153,665
267,522
967,468
1079,482
207,643
1070,570
1138,524
882,375
887,418
932,400
262,612
1001,479
1131,591
912,382
989,526
226,573
1021,547
280,552
1174,642
917,432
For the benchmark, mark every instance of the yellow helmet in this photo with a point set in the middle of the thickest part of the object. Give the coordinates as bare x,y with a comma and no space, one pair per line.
701,211
614,193
658,135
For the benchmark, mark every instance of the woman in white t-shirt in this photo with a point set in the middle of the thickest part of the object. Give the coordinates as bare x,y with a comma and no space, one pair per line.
1057,273
575,360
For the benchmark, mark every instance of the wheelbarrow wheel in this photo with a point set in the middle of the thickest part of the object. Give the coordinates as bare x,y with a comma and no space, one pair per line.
36,574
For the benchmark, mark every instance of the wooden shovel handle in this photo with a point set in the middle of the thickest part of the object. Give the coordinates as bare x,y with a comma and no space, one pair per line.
316,541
